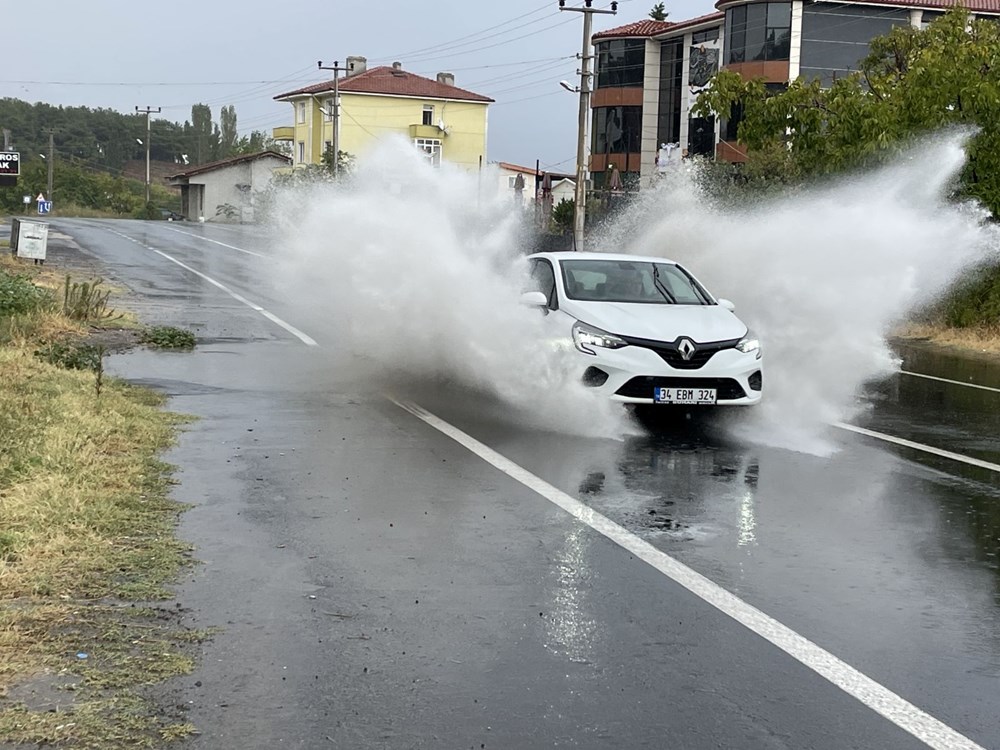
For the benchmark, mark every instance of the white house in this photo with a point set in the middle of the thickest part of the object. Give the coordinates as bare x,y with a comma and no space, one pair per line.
563,185
225,190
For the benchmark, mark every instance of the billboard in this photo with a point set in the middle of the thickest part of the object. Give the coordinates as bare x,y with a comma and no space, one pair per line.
10,163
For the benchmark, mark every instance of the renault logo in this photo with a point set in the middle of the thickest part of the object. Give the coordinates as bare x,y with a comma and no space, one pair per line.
686,348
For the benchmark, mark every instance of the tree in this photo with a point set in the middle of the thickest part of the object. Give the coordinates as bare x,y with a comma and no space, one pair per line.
912,82
201,133
228,134
563,214
659,12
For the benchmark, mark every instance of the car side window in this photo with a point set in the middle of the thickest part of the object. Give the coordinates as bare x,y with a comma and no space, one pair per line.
543,280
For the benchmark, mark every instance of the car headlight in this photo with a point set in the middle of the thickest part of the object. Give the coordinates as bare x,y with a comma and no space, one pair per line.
587,338
749,343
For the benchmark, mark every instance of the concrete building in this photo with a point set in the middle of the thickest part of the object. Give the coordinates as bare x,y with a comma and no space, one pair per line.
445,122
649,73
226,190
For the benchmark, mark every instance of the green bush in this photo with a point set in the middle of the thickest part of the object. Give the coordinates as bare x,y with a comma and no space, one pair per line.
72,356
19,296
168,337
976,302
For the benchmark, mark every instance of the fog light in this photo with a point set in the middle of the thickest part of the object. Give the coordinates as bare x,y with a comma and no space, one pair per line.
594,377
756,381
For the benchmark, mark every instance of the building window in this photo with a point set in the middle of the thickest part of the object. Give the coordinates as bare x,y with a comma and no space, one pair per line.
617,130
428,115
302,113
701,136
762,31
708,35
302,152
621,63
668,126
431,149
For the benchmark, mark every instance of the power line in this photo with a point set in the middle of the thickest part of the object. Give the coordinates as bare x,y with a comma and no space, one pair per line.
446,45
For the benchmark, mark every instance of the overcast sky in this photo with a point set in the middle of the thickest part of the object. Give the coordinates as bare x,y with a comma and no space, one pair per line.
123,53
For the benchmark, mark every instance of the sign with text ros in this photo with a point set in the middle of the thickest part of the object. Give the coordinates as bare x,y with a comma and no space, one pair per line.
10,163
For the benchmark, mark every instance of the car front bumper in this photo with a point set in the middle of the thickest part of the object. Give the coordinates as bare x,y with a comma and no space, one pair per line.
633,372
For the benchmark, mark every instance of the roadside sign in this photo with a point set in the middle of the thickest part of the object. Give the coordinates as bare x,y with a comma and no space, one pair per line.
32,239
41,197
44,207
10,163
26,199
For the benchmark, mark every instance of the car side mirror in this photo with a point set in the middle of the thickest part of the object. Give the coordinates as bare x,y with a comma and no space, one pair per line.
534,299
726,304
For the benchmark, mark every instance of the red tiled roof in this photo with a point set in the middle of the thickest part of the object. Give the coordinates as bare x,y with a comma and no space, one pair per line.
231,161
644,28
707,18
391,82
976,6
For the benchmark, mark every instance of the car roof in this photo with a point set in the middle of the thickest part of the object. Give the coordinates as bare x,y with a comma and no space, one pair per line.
572,255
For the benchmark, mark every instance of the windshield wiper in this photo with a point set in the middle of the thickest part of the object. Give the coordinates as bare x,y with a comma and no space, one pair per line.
661,288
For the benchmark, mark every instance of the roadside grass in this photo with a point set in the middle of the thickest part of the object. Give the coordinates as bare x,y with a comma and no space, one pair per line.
982,339
86,545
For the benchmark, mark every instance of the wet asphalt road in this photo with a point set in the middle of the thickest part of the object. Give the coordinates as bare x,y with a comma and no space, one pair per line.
379,586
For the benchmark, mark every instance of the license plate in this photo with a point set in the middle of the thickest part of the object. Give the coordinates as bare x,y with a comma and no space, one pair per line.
684,395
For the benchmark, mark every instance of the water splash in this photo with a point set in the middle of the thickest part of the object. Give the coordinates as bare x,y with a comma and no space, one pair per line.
415,273
822,275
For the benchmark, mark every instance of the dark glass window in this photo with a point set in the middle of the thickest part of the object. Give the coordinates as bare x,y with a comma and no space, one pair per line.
708,35
668,126
543,279
701,136
617,130
761,31
736,34
621,63
730,126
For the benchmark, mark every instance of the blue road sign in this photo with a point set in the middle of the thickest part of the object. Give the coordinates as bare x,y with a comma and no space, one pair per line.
44,207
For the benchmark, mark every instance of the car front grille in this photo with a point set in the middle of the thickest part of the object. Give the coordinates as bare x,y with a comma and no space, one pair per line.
669,352
726,389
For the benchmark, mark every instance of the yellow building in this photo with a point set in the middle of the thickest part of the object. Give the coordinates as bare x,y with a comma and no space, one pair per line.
445,122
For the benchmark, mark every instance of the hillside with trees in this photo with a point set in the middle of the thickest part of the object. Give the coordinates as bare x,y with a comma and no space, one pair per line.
96,151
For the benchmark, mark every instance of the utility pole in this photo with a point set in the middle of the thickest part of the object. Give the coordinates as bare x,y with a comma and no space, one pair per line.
337,70
51,161
149,129
586,56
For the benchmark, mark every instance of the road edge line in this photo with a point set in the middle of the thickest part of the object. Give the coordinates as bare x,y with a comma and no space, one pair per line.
900,712
918,446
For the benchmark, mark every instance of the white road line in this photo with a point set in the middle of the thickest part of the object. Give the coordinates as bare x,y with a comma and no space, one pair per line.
877,697
946,380
216,242
919,446
304,338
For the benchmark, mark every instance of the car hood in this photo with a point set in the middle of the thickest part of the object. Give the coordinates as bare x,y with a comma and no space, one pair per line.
701,323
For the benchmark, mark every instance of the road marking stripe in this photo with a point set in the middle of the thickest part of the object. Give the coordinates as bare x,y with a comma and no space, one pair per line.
209,239
877,697
918,446
946,380
304,338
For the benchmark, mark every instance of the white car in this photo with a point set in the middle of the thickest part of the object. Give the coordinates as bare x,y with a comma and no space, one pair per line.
646,331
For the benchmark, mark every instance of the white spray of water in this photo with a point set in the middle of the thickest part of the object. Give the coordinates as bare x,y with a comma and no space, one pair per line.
822,276
416,273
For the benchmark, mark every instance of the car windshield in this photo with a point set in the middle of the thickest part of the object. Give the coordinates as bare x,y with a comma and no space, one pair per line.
641,282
